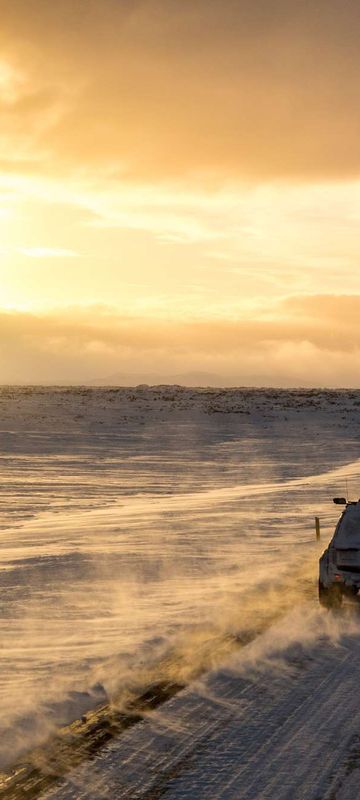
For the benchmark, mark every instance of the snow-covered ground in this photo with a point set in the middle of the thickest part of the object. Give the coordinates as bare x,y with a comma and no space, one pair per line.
145,534
279,722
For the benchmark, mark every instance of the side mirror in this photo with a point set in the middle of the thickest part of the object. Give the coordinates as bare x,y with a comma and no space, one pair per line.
339,501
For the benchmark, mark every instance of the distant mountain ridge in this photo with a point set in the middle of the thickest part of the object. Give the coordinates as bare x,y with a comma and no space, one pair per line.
152,379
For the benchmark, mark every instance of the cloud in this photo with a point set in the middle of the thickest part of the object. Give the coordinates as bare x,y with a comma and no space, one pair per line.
249,90
340,311
47,252
298,347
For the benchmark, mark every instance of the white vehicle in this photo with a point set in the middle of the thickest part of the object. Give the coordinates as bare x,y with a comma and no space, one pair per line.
339,572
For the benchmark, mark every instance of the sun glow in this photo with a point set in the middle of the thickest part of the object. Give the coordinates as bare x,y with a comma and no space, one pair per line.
145,191
11,81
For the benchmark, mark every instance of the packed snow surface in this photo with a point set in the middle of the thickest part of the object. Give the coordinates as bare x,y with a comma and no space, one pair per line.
279,722
143,530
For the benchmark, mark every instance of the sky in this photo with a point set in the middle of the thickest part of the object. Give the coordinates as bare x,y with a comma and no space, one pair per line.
180,191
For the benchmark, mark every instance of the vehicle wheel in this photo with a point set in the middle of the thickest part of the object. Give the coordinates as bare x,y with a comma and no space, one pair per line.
351,592
330,597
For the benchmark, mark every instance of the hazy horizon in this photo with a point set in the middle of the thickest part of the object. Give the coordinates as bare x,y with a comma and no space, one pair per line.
191,386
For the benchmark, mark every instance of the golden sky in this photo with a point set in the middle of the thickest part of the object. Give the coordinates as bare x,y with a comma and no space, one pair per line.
180,190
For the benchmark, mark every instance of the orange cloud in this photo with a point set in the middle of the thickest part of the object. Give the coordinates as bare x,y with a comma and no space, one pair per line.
162,89
302,347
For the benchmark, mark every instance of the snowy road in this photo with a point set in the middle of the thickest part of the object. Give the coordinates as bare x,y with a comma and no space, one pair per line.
282,721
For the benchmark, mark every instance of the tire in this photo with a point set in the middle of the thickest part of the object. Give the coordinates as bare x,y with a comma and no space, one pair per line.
330,597
351,592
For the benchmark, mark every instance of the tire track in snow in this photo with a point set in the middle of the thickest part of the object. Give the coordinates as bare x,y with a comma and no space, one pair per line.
261,734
